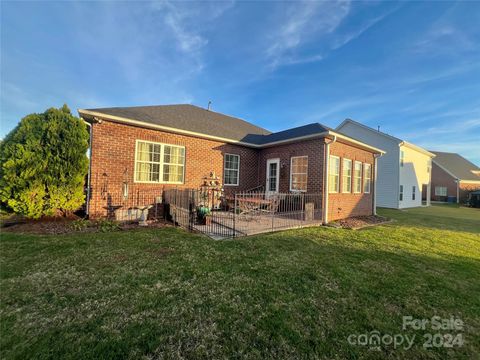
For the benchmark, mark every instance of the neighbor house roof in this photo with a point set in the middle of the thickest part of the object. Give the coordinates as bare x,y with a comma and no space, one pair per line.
457,166
195,121
388,136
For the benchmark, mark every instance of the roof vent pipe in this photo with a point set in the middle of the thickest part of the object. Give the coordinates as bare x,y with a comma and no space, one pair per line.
378,128
208,106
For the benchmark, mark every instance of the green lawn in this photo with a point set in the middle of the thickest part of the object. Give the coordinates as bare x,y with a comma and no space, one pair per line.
164,293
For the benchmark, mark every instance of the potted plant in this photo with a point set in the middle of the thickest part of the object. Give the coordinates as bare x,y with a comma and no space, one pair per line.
204,215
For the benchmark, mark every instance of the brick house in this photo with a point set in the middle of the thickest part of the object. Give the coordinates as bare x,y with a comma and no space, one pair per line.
152,148
453,176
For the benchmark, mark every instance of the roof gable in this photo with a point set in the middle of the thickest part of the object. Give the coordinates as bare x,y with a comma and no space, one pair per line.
356,123
457,165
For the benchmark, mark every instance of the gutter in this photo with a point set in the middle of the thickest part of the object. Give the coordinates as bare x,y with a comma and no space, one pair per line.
325,172
97,117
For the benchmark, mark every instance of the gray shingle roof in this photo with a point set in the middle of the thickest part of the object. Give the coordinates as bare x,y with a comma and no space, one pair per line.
190,118
457,165
300,131
207,122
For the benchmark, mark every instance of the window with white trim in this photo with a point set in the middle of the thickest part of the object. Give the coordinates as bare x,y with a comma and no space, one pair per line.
367,178
159,163
298,173
401,193
347,176
334,174
231,169
357,177
440,191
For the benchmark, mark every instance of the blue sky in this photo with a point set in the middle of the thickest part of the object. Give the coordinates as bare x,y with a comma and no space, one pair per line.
411,67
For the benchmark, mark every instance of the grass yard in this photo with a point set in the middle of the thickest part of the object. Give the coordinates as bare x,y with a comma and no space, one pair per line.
165,293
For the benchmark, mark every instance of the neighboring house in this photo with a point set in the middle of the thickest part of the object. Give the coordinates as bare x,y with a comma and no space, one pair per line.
453,176
404,172
152,148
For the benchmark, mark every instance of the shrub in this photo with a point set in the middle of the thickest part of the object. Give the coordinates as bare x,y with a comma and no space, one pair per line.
104,225
80,225
43,164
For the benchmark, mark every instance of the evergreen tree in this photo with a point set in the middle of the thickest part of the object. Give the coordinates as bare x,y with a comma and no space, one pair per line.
43,164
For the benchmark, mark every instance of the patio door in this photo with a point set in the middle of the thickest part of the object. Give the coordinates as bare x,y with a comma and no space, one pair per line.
273,175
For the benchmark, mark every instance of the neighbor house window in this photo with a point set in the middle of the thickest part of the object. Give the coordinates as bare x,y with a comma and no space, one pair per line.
402,157
413,192
231,170
334,174
367,178
159,163
440,191
401,193
347,176
357,177
298,173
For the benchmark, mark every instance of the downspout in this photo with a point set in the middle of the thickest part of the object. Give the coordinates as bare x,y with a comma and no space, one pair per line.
325,190
429,188
375,157
89,168
458,191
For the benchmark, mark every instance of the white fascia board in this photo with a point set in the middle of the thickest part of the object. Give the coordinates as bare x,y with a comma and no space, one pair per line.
417,148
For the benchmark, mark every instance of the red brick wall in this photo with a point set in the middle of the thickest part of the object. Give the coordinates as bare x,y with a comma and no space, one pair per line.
441,178
343,205
314,149
113,153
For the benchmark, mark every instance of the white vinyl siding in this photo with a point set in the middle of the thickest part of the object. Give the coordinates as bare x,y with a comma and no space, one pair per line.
159,163
367,178
347,176
231,172
334,174
357,177
298,173
416,169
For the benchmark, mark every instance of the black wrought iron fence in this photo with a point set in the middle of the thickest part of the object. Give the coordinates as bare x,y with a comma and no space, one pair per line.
243,213
216,215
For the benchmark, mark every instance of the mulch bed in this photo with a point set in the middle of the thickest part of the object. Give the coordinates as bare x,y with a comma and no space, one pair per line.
360,222
59,225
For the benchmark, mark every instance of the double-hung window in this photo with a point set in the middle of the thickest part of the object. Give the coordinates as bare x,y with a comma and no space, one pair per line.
334,174
401,193
231,170
440,191
298,173
367,178
159,163
413,192
357,177
347,176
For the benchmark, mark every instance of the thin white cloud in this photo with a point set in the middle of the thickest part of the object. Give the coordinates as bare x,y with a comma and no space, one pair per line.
301,23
